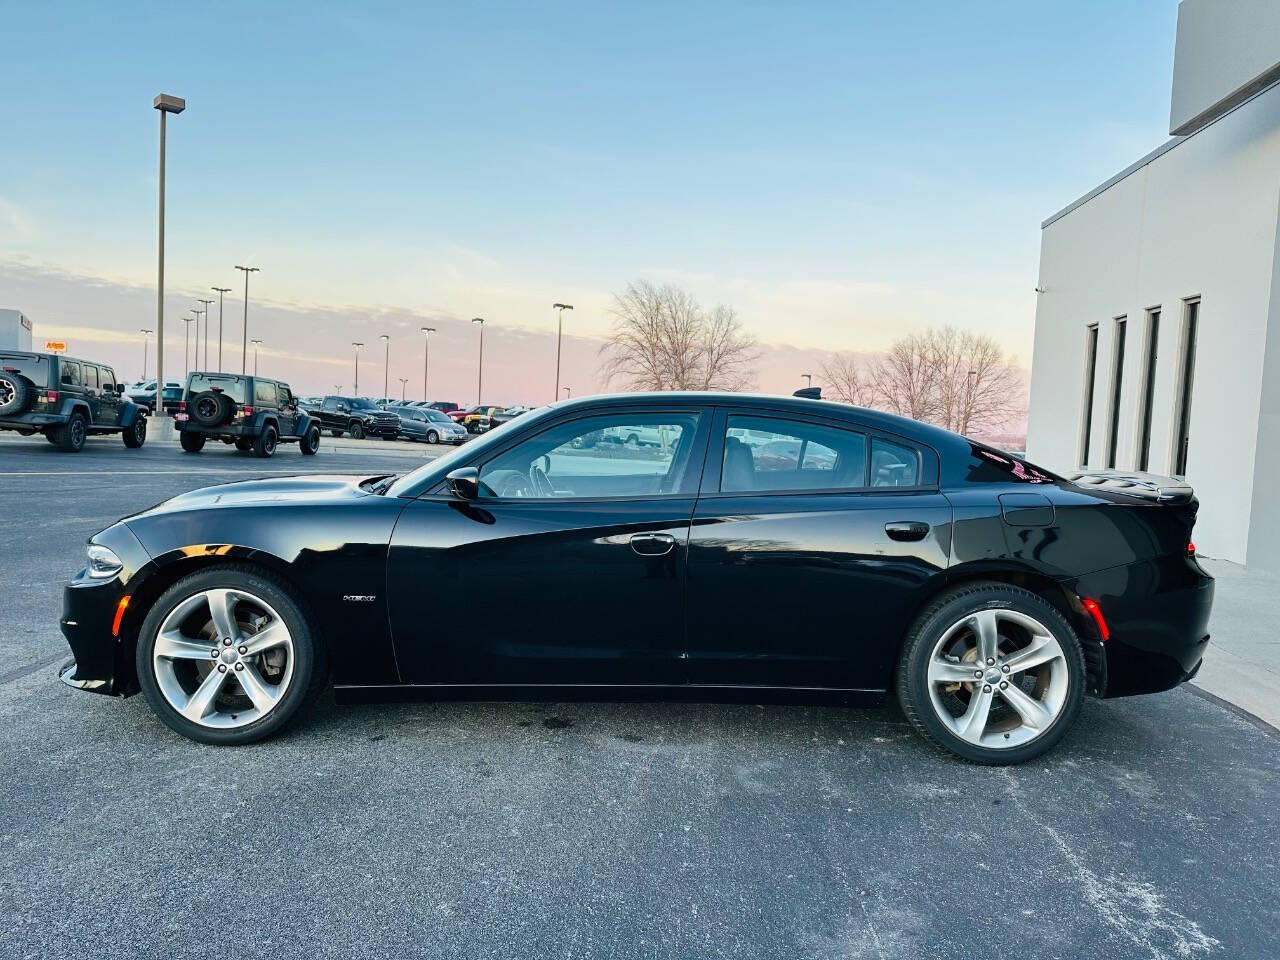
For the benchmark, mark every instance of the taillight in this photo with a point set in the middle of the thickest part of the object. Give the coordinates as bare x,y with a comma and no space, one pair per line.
1091,607
51,396
1191,548
247,411
182,406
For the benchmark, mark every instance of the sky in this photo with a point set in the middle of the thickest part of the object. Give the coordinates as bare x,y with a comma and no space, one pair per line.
839,173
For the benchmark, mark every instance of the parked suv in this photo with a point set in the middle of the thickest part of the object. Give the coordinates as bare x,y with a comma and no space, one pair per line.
66,399
252,412
357,416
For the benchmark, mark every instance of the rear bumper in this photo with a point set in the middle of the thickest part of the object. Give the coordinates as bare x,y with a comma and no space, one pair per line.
1158,615
225,430
33,421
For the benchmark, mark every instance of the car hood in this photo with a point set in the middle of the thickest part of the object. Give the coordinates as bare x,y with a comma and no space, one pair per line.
274,491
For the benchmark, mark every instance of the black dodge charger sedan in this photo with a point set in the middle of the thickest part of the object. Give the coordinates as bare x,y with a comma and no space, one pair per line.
752,545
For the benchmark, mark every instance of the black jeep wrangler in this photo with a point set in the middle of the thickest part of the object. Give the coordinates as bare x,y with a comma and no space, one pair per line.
66,399
254,413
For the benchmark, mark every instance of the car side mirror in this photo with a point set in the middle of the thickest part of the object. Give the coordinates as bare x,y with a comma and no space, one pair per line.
342,408
119,389
464,483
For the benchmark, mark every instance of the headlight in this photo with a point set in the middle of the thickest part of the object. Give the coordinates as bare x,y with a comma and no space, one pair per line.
103,563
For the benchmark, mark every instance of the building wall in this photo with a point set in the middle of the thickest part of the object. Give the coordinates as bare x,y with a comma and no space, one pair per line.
1199,219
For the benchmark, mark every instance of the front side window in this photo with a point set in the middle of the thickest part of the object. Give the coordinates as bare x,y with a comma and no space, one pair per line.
763,454
283,396
108,379
597,457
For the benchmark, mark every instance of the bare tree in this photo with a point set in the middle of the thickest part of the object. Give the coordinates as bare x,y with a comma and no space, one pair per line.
847,380
903,380
663,339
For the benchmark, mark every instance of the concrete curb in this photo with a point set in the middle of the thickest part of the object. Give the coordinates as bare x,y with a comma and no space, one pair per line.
163,431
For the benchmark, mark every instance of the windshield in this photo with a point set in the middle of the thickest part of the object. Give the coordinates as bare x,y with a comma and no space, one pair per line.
35,369
435,416
225,384
360,403
427,475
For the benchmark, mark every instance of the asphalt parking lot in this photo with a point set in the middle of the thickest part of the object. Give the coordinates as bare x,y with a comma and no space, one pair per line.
587,829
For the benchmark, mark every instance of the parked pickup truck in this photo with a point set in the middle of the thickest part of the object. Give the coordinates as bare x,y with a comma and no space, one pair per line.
356,416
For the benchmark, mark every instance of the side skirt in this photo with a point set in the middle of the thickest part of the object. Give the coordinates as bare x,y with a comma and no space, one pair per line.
578,693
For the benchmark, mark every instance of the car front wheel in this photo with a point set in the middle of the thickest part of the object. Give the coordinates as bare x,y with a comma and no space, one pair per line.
226,656
993,673
136,435
310,442
433,437
356,430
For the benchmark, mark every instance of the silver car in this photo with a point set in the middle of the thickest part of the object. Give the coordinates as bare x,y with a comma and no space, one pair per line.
423,423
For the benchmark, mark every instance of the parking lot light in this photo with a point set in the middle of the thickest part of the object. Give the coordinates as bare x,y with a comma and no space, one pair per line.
561,307
386,363
166,104
403,383
426,359
480,365
220,291
356,389
244,344
206,327
145,334
255,343
186,346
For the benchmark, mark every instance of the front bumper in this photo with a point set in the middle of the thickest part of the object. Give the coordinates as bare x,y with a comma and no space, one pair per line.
1158,615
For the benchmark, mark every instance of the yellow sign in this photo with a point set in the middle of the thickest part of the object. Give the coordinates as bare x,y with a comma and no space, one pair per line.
55,346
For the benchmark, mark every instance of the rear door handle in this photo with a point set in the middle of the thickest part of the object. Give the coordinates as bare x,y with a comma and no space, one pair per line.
653,544
906,530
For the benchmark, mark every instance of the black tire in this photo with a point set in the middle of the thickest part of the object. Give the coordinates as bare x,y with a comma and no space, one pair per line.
928,629
433,437
309,442
16,394
135,435
71,435
191,442
51,435
355,430
335,433
25,433
210,408
243,445
392,436
310,669
264,445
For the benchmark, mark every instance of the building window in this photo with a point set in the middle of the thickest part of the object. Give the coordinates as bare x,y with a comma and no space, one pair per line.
1117,382
1148,389
1186,371
1090,373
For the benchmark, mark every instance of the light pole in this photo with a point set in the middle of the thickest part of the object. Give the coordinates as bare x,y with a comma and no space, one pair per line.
809,378
568,392
166,104
426,358
206,328
480,365
196,311
220,291
561,307
255,343
145,334
356,389
244,346
386,363
403,383
186,346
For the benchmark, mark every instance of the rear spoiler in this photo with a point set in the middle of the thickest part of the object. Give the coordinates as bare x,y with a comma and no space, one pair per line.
1146,486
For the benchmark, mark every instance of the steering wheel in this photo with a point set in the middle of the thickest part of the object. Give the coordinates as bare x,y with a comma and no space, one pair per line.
540,482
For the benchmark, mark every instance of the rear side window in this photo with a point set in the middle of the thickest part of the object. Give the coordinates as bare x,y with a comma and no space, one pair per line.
231,386
769,455
35,369
91,376
70,374
894,464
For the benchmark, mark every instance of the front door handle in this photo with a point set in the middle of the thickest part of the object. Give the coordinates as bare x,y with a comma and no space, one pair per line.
906,530
653,544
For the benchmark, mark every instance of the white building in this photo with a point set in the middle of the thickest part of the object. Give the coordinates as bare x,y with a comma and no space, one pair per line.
1157,343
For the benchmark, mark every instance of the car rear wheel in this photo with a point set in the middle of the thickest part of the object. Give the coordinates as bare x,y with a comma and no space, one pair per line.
265,444
433,437
309,443
226,656
244,446
135,436
356,430
993,673
335,433
191,442
15,394
71,435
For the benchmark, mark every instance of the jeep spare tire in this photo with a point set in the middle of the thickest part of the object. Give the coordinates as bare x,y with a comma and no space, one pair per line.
15,394
210,408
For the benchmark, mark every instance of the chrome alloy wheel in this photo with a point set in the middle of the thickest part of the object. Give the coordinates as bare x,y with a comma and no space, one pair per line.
998,678
7,392
223,658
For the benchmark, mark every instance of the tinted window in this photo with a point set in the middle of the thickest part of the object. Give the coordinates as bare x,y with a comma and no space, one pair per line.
232,386
283,395
35,369
108,379
591,458
360,403
763,454
435,416
70,376
91,376
894,465
264,391
331,403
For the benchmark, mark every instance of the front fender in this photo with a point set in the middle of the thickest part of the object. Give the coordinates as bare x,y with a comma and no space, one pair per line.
304,422
130,412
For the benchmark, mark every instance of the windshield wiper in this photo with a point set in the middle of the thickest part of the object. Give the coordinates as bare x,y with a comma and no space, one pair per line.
379,487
